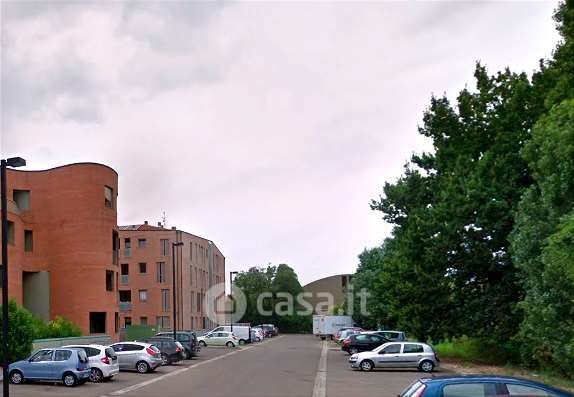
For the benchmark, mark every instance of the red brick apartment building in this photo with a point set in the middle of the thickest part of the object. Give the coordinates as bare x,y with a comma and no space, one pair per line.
145,288
63,244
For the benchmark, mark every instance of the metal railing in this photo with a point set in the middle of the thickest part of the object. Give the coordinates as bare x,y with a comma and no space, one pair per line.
125,306
124,279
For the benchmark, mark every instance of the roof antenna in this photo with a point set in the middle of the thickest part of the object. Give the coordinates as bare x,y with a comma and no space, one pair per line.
164,219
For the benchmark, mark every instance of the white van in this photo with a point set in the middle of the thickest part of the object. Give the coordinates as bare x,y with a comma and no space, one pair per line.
240,331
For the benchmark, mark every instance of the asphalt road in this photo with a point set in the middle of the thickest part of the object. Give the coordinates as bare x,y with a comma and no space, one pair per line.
285,366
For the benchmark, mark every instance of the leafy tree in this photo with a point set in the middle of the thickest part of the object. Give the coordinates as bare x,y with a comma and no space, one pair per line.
542,242
273,280
21,332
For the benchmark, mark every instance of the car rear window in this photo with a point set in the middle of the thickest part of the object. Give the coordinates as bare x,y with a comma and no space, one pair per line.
413,348
110,352
82,356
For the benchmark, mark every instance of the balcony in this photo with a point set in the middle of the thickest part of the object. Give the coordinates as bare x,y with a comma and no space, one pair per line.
124,279
125,306
127,252
115,257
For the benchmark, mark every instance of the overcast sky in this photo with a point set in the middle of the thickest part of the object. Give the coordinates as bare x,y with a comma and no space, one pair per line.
266,127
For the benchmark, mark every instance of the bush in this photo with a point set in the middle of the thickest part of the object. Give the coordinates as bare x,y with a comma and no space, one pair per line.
60,327
21,332
24,327
478,350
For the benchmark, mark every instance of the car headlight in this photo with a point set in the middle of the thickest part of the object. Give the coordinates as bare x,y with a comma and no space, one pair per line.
354,357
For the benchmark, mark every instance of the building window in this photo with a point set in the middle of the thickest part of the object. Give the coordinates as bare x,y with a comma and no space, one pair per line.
124,273
10,232
28,241
344,281
143,267
191,251
117,322
143,320
127,247
142,243
161,272
125,295
97,322
108,197
165,300
143,295
22,199
190,275
127,322
164,245
191,303
109,280
162,322
115,247
198,300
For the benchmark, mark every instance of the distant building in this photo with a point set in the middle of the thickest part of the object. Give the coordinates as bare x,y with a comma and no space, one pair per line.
145,281
62,244
334,285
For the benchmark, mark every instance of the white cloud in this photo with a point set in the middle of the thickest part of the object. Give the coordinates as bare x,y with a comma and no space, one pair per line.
267,127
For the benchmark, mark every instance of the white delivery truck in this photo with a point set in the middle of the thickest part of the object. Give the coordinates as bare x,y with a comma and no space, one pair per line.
242,332
327,326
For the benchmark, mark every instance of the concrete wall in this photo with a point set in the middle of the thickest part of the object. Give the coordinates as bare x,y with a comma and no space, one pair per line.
36,286
79,340
334,285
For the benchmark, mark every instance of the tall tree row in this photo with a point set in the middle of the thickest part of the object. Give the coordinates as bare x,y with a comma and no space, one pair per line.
482,242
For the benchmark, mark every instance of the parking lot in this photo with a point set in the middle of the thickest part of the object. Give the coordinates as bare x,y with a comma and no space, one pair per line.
288,365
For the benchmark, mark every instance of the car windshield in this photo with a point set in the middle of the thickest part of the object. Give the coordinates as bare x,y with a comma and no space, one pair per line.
412,389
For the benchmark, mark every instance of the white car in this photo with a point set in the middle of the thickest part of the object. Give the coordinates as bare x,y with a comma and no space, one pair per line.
257,334
221,338
103,361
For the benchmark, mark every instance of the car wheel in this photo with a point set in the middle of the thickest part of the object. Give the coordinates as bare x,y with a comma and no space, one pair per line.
230,344
202,343
142,367
16,377
366,365
69,379
96,375
426,366
241,341
353,350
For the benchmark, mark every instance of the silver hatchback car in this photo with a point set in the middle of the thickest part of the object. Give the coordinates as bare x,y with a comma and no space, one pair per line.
142,357
397,355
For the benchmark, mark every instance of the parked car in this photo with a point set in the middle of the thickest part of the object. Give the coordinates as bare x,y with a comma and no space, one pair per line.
240,331
346,333
338,335
139,356
170,352
397,355
189,341
480,385
68,365
362,342
393,336
257,334
103,361
222,338
270,330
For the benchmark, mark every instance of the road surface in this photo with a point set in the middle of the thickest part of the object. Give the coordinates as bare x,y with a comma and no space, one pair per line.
284,366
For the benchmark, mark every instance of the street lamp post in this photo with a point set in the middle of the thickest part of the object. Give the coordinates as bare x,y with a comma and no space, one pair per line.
231,294
11,162
173,245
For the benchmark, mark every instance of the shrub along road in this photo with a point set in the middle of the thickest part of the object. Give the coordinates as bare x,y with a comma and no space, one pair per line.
287,366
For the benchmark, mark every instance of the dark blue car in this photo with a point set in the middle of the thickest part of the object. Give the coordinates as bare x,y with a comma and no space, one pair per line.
480,386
